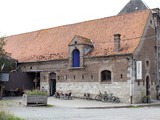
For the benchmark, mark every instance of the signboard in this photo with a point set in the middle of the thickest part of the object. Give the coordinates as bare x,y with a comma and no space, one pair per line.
139,69
4,77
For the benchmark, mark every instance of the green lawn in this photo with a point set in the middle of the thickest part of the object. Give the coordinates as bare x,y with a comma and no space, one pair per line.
7,116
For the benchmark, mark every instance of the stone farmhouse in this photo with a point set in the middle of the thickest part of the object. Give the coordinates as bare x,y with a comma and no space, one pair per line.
118,54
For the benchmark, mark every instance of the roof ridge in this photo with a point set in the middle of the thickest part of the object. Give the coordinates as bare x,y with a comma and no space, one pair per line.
76,23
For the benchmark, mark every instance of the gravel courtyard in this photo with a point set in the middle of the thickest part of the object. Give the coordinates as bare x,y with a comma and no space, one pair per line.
71,112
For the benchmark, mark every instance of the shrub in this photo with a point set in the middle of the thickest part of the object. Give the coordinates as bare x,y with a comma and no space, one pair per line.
7,116
36,92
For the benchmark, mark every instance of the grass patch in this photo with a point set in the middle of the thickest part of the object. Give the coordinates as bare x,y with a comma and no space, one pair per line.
48,105
8,103
135,107
7,116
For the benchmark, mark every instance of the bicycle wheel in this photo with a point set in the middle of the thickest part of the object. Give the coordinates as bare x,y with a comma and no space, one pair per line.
117,100
105,99
98,98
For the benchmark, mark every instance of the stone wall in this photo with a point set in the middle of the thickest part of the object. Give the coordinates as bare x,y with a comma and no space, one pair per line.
118,65
140,91
87,79
146,52
119,89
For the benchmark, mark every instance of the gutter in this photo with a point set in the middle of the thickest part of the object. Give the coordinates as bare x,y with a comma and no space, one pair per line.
86,57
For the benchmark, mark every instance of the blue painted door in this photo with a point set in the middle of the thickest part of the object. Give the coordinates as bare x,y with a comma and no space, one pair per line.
76,58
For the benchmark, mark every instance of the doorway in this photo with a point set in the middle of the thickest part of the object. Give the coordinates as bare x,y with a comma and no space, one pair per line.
52,84
36,80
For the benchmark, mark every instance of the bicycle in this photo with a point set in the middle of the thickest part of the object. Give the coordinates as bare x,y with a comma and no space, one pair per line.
102,97
112,98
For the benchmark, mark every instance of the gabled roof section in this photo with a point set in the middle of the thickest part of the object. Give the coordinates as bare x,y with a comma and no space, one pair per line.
134,5
51,44
81,40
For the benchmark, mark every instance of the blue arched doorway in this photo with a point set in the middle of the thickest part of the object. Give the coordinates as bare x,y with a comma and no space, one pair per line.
76,58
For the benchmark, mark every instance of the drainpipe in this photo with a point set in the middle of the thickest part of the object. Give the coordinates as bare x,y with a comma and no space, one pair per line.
132,80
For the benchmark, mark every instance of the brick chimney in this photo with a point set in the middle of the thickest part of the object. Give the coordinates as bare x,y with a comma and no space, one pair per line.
117,42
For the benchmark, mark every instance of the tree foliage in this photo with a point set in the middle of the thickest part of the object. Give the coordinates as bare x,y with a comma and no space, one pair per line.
6,62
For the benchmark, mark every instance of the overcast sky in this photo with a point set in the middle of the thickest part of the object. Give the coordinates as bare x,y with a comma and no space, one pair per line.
20,16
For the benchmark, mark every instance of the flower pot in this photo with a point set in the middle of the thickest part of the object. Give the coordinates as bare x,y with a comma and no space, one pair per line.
146,99
36,100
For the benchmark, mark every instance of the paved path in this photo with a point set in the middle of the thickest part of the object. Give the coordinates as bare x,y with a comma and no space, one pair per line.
92,104
67,110
59,113
81,103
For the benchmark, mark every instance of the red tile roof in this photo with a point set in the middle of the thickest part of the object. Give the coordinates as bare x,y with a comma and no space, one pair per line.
82,40
50,44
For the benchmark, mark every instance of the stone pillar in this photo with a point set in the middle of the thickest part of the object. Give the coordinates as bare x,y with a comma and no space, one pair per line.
44,81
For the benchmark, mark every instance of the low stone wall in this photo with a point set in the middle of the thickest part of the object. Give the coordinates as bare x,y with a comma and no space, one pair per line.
119,89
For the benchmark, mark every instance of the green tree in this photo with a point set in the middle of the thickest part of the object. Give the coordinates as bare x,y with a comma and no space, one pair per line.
6,62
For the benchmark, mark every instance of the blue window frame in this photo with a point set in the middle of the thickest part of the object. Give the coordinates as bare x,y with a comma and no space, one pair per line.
76,58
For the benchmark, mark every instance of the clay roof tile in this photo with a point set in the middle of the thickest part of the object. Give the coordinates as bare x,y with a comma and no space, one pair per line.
50,44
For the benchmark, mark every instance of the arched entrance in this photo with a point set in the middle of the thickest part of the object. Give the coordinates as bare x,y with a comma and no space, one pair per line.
52,83
147,86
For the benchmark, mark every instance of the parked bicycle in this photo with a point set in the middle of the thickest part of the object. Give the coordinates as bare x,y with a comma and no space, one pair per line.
87,96
61,95
102,97
107,97
112,98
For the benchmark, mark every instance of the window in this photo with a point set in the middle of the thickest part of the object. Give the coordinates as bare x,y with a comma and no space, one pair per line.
82,76
105,75
155,48
76,58
91,76
147,63
121,76
65,77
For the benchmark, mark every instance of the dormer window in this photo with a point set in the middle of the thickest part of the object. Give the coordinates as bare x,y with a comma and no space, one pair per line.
79,47
76,58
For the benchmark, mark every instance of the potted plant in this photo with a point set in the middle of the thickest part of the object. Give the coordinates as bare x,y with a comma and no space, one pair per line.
146,99
36,97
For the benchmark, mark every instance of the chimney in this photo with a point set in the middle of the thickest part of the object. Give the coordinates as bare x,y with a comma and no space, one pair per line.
117,42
